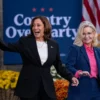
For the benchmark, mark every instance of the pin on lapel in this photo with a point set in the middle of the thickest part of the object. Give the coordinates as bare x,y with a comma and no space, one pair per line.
51,46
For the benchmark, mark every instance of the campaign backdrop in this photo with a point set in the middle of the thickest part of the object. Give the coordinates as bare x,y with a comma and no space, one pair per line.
64,16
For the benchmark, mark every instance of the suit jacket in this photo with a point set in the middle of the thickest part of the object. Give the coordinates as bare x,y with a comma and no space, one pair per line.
78,60
33,72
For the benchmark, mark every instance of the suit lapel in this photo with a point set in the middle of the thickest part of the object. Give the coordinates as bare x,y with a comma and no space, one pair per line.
97,58
85,54
50,47
34,51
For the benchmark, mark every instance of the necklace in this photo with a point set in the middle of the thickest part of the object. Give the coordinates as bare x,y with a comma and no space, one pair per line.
40,44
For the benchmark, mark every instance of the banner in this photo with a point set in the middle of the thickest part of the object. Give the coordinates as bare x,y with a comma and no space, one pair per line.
64,17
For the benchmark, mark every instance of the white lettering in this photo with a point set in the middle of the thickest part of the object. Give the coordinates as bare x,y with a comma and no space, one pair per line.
11,32
21,32
74,31
27,21
27,32
63,29
58,19
54,33
52,20
66,20
68,32
17,18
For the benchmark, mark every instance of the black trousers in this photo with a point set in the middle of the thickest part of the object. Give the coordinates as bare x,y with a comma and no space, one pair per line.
42,95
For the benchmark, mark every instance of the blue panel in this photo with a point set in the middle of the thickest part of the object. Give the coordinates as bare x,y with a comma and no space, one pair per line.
64,15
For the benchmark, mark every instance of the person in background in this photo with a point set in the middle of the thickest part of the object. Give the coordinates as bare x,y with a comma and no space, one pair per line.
39,52
84,62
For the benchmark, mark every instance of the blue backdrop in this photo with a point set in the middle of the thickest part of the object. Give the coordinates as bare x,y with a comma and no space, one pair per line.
64,15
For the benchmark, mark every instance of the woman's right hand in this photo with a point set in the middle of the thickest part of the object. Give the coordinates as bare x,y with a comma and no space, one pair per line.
84,73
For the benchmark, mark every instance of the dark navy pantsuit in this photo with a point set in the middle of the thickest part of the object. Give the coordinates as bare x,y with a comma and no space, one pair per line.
88,88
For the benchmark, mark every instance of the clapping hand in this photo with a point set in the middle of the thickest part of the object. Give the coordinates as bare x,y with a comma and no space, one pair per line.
84,73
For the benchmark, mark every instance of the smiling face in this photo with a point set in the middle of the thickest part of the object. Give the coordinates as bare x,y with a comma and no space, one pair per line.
38,29
88,35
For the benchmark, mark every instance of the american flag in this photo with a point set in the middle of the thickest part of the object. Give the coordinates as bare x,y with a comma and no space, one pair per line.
91,12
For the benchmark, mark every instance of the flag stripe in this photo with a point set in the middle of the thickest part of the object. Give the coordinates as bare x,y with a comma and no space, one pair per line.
98,11
83,18
98,2
86,15
91,12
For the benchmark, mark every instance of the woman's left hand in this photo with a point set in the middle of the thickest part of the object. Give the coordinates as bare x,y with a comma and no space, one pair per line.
75,81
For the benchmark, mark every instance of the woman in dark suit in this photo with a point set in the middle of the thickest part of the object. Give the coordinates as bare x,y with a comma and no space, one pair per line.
84,62
39,52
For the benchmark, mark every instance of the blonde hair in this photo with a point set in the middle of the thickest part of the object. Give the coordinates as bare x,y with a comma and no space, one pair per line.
78,39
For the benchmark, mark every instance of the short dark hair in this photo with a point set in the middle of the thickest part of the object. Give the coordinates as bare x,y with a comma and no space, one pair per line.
47,26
